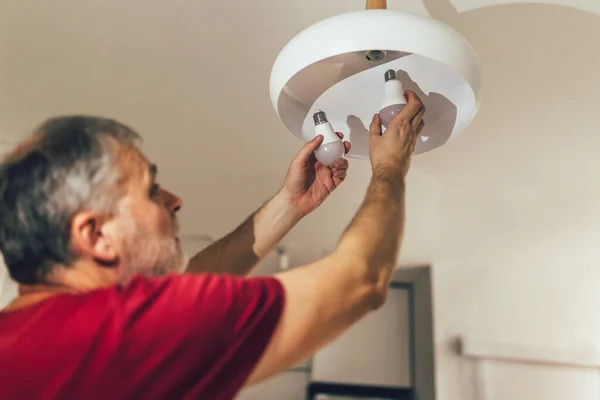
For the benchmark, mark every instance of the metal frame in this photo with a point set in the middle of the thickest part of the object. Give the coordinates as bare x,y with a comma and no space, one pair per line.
359,391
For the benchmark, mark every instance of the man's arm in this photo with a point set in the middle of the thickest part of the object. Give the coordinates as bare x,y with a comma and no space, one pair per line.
307,184
241,251
325,298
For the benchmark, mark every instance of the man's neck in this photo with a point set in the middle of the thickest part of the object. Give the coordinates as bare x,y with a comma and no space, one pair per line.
29,298
78,278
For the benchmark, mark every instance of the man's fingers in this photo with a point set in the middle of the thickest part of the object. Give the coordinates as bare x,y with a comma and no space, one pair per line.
347,147
340,174
420,127
410,110
309,148
416,122
375,127
341,164
346,144
417,132
413,106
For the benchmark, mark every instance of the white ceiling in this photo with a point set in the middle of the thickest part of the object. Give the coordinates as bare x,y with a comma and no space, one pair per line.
192,77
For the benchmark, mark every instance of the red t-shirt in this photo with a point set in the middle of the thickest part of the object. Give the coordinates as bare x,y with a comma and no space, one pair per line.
178,337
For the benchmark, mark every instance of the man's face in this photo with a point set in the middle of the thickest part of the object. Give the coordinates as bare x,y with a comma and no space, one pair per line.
147,220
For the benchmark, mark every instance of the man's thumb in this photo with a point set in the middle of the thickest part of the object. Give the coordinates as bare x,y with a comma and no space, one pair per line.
309,148
375,127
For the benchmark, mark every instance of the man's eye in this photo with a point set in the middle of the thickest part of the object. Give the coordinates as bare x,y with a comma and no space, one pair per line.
154,189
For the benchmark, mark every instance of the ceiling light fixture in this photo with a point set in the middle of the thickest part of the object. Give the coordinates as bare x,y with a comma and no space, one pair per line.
342,65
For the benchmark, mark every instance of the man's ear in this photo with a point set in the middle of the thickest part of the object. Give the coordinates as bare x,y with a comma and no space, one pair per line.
93,237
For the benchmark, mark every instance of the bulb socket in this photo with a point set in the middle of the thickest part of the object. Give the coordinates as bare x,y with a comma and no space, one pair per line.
389,75
375,55
320,118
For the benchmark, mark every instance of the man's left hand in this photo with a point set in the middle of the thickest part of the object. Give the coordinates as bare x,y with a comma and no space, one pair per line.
308,182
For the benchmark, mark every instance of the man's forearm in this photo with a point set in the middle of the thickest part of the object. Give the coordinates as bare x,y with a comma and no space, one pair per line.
326,297
375,234
241,251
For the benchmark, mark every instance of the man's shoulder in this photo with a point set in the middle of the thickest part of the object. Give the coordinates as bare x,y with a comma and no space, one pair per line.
99,301
152,303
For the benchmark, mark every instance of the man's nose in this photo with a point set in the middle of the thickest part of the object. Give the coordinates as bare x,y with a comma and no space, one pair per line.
172,202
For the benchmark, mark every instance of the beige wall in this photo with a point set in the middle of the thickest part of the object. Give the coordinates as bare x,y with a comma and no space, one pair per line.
545,295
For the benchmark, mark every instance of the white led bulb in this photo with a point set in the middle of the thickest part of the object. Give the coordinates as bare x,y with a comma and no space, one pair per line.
393,98
332,148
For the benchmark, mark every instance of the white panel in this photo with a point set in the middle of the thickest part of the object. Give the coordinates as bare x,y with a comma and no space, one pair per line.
287,386
582,356
376,351
504,381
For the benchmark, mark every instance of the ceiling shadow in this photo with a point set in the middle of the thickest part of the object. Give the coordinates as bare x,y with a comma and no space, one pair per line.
359,133
440,115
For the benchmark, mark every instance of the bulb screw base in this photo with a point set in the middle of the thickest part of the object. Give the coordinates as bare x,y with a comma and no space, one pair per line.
389,75
320,118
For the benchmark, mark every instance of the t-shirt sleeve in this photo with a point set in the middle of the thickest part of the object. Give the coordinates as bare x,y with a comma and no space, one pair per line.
196,336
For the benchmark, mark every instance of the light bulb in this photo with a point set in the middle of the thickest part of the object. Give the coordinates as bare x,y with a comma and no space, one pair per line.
332,148
393,98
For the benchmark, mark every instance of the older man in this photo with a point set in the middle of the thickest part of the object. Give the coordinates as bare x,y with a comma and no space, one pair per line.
91,238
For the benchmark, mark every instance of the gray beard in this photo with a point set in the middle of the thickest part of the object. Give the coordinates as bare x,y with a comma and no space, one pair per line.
151,256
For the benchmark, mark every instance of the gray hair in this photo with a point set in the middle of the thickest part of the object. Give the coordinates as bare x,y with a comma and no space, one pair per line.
67,166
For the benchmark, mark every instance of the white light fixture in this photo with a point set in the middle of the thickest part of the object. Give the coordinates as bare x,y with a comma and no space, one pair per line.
340,65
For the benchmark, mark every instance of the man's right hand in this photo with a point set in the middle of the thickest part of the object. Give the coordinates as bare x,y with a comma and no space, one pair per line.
390,151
